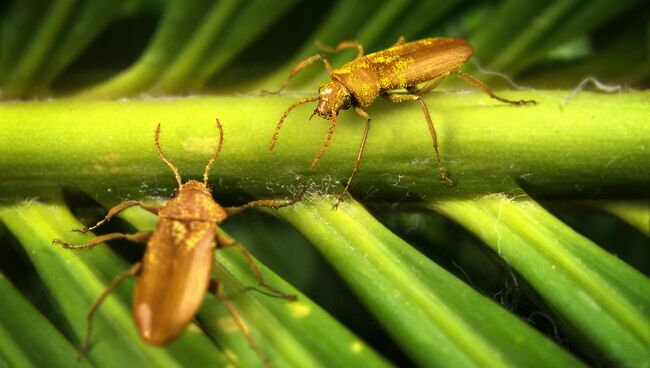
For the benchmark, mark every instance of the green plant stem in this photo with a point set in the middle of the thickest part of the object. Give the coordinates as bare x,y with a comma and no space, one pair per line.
592,145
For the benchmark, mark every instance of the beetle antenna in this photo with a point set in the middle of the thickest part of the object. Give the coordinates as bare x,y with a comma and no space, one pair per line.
216,154
284,116
164,158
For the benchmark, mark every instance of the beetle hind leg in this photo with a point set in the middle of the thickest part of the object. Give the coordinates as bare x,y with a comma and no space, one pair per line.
225,242
480,85
217,288
402,97
133,271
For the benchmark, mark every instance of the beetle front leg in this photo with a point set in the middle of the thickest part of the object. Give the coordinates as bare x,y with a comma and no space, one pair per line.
400,41
133,271
139,237
342,46
117,209
401,97
302,65
270,203
326,143
362,146
480,85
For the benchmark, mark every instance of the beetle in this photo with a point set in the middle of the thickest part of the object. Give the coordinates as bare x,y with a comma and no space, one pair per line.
175,272
359,82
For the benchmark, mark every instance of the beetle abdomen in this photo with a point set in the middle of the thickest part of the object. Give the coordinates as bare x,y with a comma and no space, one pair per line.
402,66
174,278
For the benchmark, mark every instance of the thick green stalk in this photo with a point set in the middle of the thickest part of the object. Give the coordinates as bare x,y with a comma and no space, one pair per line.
590,145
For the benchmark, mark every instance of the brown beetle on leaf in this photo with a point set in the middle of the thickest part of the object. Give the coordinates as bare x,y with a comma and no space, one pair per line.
176,270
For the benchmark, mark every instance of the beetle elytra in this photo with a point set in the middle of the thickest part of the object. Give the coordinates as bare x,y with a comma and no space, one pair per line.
359,82
175,272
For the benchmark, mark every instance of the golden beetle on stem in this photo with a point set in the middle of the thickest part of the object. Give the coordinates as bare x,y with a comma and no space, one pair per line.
359,82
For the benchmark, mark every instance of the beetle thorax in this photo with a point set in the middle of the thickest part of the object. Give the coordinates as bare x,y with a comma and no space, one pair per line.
193,202
333,96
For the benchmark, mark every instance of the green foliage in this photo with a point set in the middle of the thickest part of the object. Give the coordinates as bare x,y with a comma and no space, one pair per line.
517,265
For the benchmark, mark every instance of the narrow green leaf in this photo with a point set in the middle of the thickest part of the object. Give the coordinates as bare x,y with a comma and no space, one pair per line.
254,18
177,26
491,37
517,47
88,19
579,281
27,338
17,15
19,82
636,213
434,317
196,51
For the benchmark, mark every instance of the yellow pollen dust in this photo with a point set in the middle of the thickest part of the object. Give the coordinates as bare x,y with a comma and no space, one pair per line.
298,310
228,324
356,347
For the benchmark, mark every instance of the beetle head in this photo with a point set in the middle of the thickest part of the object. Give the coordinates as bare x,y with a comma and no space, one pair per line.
332,97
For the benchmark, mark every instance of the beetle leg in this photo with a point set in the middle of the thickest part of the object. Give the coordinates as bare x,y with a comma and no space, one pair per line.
133,271
342,46
225,242
284,116
401,97
302,65
428,86
139,237
330,132
400,41
217,288
117,209
265,203
362,146
480,85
